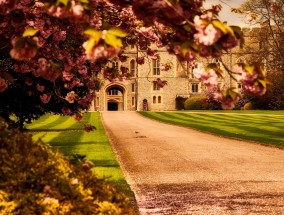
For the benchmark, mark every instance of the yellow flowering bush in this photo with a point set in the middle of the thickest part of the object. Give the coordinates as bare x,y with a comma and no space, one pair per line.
36,179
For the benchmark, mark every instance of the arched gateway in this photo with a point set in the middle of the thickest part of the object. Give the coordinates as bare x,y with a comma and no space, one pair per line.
115,95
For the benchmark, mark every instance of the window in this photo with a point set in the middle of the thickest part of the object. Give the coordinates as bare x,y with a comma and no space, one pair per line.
133,101
132,67
113,92
132,46
192,68
132,87
115,65
194,88
156,67
98,101
154,100
159,99
155,86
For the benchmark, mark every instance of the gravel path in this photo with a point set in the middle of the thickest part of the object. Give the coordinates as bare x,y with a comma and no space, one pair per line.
175,170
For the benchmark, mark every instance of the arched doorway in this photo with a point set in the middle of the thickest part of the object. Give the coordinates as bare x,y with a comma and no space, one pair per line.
115,98
112,105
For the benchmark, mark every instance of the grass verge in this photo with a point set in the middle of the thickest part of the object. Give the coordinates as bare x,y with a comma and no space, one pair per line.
68,136
265,127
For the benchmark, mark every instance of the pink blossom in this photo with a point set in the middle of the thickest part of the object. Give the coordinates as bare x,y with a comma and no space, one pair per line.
3,85
23,50
151,52
209,77
71,97
83,71
208,36
251,80
166,66
84,102
101,52
140,60
78,117
124,69
148,33
91,84
67,67
87,165
89,128
51,75
67,76
123,58
6,6
77,10
40,88
160,83
66,111
122,78
227,101
45,98
59,36
274,7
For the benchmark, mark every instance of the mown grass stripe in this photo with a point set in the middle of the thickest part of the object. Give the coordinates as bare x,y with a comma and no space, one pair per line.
260,128
43,121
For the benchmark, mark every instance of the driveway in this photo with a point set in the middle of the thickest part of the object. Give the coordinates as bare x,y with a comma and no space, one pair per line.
176,170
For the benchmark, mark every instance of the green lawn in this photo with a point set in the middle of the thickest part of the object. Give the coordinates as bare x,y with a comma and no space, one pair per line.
68,136
265,127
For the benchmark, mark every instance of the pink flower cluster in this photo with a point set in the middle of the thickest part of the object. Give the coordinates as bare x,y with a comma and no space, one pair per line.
3,85
207,76
89,128
166,66
71,97
207,35
101,52
45,98
23,49
252,79
161,83
227,98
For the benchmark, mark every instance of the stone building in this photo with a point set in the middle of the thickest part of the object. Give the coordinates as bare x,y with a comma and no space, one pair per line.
129,95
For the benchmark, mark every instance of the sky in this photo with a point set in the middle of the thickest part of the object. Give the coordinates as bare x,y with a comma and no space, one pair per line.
226,15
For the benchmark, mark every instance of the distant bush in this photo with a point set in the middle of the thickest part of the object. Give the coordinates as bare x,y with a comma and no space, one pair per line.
36,179
195,103
180,103
248,106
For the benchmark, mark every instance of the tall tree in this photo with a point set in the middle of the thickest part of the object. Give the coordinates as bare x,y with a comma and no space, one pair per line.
54,49
265,44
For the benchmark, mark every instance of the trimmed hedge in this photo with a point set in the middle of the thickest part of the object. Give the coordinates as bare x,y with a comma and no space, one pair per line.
36,179
248,106
195,103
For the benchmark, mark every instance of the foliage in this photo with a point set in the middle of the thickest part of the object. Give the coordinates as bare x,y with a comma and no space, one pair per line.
180,103
195,103
63,47
248,106
35,179
211,102
264,127
274,98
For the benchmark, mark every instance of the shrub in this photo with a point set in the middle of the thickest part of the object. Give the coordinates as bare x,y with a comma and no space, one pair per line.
195,103
180,103
248,106
36,179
